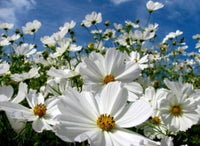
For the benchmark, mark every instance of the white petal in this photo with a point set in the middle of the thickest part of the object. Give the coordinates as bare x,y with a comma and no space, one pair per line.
34,98
114,62
6,93
134,114
125,137
100,138
40,124
21,93
17,111
17,125
71,134
134,87
131,72
112,99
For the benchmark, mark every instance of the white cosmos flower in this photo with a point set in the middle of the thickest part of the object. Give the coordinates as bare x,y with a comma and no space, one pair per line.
31,27
57,86
130,23
68,25
154,98
42,113
4,42
118,27
196,36
6,26
126,39
4,67
24,49
62,73
65,44
48,41
141,36
153,6
6,93
135,57
25,75
92,19
13,38
197,45
179,110
101,119
172,35
98,70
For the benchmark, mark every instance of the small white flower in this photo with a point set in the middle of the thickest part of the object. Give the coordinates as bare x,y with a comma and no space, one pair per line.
6,26
92,19
197,36
42,113
31,27
4,42
68,25
118,27
62,73
48,41
135,57
154,98
141,36
172,35
33,73
13,38
24,49
126,39
130,23
109,34
57,86
197,45
179,109
153,6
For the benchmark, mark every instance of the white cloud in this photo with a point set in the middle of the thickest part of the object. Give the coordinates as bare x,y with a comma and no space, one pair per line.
9,9
7,15
117,2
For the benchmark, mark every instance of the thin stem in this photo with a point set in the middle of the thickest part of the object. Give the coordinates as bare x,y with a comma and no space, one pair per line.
148,20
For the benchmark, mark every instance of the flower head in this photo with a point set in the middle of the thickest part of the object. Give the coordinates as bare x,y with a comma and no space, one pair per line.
101,119
179,109
97,71
6,26
92,19
31,27
41,113
153,6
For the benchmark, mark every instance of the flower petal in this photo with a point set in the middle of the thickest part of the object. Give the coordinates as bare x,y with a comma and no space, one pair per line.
6,93
21,93
126,137
134,114
112,99
40,124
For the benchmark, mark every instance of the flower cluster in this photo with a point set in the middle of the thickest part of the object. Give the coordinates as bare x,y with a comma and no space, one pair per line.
123,88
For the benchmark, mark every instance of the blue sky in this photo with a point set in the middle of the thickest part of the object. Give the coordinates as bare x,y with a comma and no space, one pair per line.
176,14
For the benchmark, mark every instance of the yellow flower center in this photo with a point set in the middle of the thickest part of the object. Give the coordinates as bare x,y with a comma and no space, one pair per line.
40,110
176,110
105,122
136,60
108,78
156,120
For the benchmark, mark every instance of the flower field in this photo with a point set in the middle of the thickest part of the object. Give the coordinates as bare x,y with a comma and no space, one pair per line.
123,88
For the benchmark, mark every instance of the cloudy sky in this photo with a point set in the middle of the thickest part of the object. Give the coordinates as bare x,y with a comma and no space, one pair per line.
176,14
